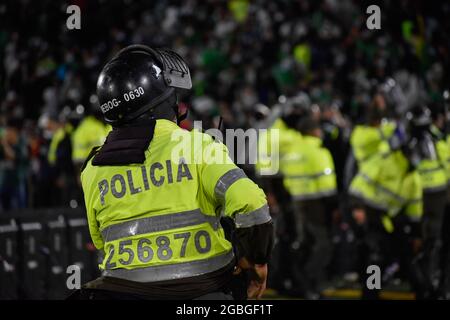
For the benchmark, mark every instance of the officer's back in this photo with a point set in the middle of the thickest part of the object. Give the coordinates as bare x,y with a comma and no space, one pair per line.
155,193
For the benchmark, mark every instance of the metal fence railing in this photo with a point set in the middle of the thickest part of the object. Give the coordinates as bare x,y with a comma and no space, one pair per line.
37,247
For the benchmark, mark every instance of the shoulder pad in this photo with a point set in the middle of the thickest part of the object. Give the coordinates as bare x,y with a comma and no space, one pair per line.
89,157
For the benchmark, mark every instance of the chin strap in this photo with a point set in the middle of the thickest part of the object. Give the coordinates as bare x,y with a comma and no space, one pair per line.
181,117
178,116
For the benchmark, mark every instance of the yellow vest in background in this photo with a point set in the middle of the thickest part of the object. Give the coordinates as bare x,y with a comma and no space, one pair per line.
443,150
433,174
56,140
366,141
90,133
308,169
267,158
384,182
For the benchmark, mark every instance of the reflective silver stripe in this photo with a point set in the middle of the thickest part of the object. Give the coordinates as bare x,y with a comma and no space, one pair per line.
413,201
226,180
382,189
157,224
368,201
428,170
326,172
317,195
172,271
258,216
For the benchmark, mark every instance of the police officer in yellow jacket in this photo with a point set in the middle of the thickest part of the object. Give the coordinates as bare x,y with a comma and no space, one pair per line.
433,173
444,126
155,193
368,136
60,160
273,144
386,184
309,176
367,139
445,276
89,133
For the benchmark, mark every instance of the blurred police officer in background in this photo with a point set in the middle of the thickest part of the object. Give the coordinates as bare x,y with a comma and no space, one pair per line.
281,126
442,123
59,155
367,136
157,217
387,184
309,176
433,175
270,177
88,133
304,180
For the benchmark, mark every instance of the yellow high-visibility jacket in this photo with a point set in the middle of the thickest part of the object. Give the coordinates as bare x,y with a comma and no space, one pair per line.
385,182
159,220
308,169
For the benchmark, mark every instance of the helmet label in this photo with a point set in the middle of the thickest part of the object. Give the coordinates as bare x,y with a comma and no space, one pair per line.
109,105
127,96
133,94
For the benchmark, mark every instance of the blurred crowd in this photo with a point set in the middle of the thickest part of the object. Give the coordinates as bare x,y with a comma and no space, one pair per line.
316,61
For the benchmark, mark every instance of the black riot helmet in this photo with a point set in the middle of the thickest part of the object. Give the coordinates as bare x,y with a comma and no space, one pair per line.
420,144
419,120
295,107
141,81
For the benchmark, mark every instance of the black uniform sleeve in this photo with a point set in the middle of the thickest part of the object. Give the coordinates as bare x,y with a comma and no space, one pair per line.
255,243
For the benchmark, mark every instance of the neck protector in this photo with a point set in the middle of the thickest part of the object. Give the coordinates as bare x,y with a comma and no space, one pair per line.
125,145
